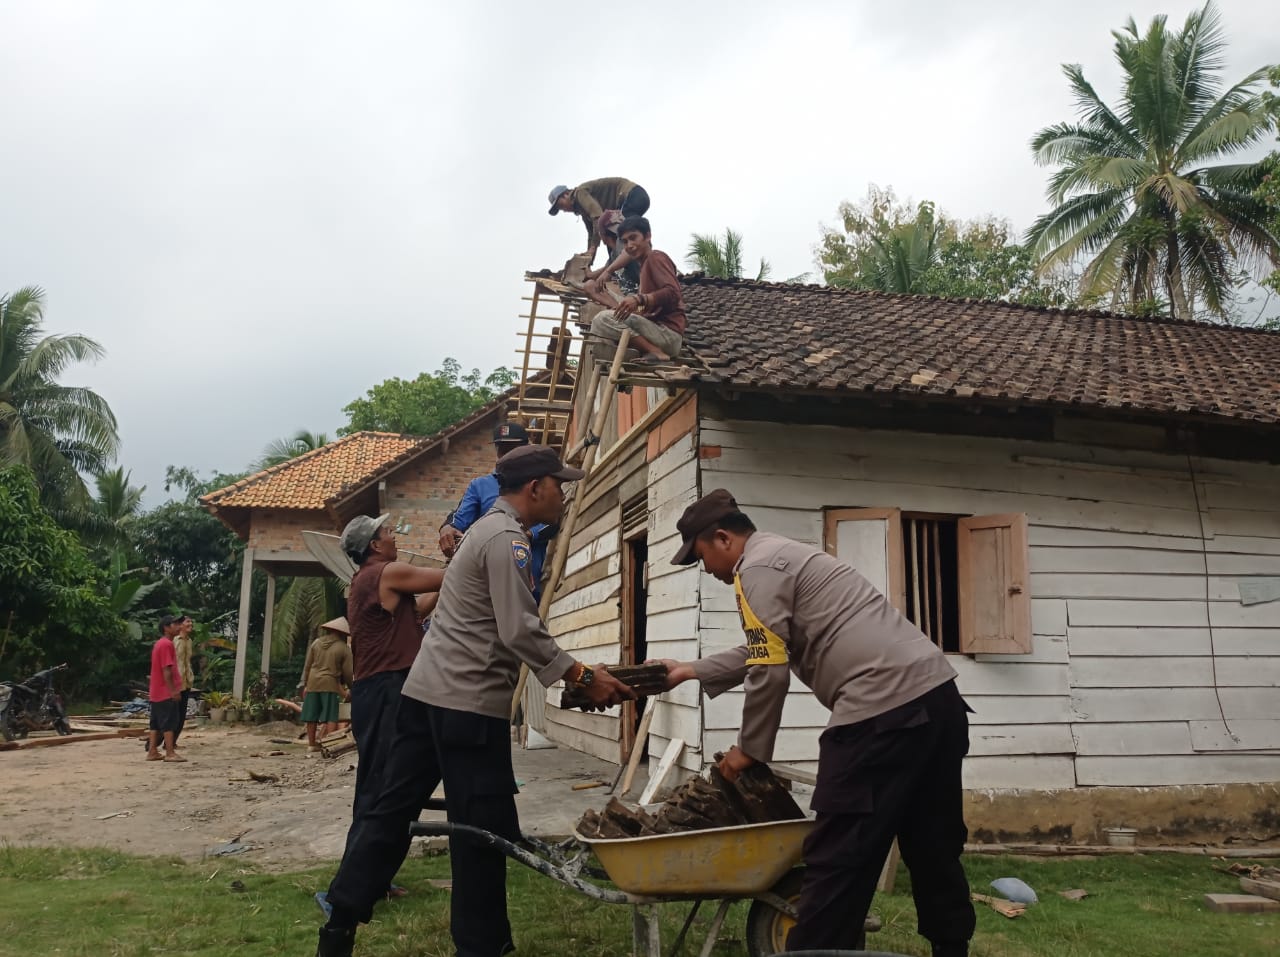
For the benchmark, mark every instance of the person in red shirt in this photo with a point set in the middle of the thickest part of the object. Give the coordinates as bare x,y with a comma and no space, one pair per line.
165,693
655,315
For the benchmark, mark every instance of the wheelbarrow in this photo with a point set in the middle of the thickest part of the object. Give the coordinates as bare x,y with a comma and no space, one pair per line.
755,862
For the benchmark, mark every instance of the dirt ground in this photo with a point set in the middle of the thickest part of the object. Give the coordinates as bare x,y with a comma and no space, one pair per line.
102,793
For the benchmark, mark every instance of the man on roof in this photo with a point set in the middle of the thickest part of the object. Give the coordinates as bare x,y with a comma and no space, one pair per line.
618,262
588,200
482,492
655,315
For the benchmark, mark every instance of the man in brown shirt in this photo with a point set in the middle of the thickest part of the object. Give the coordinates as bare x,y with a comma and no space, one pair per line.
889,761
385,637
593,197
655,315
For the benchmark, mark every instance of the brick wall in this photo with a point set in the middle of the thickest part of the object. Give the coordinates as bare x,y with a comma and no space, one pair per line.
281,531
421,494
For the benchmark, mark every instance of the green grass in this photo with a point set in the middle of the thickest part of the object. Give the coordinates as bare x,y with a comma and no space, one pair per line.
104,903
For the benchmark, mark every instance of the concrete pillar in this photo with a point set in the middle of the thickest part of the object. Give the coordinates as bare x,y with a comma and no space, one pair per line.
242,629
266,624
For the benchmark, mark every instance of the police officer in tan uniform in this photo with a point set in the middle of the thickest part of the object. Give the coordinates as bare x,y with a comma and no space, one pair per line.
889,760
453,721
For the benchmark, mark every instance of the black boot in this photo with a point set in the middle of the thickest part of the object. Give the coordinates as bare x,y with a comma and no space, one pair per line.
336,941
952,949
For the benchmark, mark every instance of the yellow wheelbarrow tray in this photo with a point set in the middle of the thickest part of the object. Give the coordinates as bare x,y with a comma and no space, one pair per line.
743,861
727,864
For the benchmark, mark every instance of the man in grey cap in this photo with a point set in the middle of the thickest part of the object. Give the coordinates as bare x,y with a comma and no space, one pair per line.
385,638
889,760
452,725
592,198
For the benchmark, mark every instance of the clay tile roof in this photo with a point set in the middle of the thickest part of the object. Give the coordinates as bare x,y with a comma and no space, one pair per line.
777,336
311,480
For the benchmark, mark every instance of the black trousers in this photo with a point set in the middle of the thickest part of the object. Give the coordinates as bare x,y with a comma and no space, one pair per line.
894,775
471,754
182,715
636,203
374,702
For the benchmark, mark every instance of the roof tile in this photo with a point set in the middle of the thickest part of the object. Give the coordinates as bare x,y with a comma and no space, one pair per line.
759,335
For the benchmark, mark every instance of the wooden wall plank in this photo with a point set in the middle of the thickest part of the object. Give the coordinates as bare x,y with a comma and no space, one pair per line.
1032,772
801,710
1045,649
1132,642
995,739
1022,709
1112,705
1133,737
1114,671
1048,616
1241,734
1014,678
1163,614
1155,770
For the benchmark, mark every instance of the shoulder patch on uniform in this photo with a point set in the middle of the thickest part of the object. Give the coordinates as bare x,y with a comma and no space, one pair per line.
520,550
780,563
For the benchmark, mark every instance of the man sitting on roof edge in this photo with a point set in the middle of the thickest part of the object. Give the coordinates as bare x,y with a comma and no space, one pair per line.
655,315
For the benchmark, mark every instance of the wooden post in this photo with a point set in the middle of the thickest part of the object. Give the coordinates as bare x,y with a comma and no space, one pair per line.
242,627
560,554
266,624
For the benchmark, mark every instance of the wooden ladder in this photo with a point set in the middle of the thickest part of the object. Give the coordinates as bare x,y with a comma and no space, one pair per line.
543,401
560,553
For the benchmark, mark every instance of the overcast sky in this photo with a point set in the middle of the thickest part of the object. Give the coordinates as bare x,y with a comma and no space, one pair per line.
260,209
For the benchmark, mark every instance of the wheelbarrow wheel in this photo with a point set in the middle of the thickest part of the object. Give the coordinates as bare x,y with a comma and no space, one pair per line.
767,928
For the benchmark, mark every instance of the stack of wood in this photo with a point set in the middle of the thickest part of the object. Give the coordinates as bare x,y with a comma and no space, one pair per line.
644,679
756,797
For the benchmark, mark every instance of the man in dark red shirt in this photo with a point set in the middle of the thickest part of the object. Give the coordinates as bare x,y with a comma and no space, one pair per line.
655,315
165,693
385,638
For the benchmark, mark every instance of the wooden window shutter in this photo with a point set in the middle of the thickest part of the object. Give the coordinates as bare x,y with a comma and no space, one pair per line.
870,539
995,586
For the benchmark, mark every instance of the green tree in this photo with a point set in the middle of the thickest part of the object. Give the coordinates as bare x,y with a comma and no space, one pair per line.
304,605
1141,189
427,404
721,259
116,506
1269,189
198,558
282,450
52,602
902,247
58,431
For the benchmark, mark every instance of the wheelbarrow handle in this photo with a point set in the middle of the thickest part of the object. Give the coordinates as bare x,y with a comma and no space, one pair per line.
517,853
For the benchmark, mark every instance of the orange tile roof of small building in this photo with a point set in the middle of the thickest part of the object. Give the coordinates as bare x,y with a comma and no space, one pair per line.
312,479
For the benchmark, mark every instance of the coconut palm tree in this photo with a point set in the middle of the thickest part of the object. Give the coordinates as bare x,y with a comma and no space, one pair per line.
117,504
720,259
304,606
281,450
58,431
1141,188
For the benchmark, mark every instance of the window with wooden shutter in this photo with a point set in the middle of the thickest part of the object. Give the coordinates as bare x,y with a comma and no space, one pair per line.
995,593
870,539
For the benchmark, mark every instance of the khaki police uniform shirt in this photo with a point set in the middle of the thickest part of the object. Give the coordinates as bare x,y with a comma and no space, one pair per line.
805,612
486,623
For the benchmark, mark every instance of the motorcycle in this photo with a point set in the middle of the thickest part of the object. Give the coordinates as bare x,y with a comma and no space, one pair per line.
32,705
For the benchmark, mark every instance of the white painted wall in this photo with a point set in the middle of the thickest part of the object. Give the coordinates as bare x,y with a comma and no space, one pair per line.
1142,647
587,621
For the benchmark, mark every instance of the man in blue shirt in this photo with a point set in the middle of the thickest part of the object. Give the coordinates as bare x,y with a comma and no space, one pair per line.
479,497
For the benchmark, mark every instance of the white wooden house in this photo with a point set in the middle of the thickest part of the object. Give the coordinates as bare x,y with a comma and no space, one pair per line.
1082,509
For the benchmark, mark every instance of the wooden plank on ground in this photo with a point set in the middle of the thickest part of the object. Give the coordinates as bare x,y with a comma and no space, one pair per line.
637,749
1240,904
71,739
1258,888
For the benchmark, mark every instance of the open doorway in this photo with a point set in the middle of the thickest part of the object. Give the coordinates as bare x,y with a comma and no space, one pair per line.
635,646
